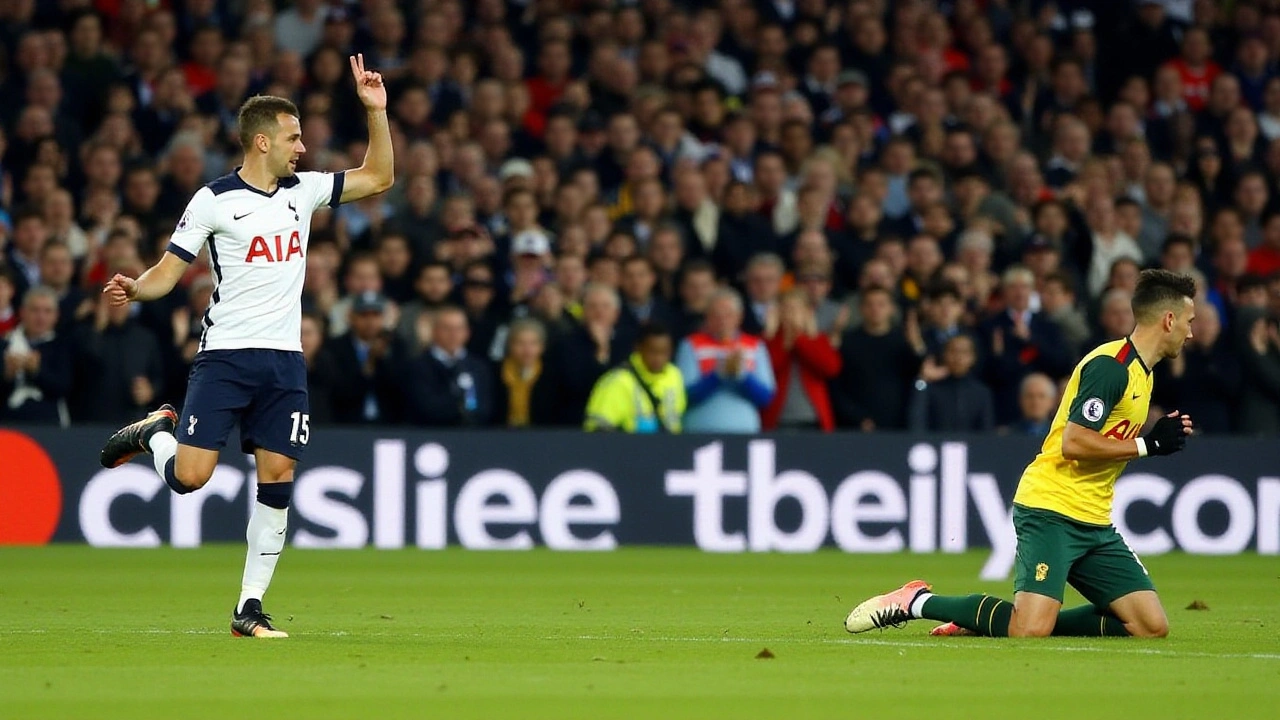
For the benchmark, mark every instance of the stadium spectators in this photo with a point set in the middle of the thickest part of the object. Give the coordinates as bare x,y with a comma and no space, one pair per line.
366,361
662,152
803,363
1205,379
447,384
645,395
1037,400
877,365
37,364
947,397
1020,341
1259,346
524,393
727,373
321,373
119,370
594,346
640,303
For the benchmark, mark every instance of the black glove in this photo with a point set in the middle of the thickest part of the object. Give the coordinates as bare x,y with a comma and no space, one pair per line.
1167,437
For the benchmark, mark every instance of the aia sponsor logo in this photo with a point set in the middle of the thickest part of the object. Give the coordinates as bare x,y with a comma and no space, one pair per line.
276,249
1124,430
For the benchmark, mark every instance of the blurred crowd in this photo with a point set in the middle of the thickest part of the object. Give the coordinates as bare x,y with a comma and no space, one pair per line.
663,215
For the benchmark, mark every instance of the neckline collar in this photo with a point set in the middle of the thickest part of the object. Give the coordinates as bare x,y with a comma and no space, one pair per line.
240,183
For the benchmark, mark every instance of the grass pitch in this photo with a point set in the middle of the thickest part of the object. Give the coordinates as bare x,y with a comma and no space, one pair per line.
656,633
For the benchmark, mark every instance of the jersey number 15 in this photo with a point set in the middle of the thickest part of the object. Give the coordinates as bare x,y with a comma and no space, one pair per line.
301,432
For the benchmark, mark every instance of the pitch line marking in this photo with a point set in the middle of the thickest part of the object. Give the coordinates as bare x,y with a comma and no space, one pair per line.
943,644
927,645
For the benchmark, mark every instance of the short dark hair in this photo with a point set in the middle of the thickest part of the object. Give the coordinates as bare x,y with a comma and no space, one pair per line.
478,264
1176,239
709,85
391,234
767,152
1160,291
942,288
697,265
1063,279
1250,281
651,329
435,265
53,245
794,123
260,116
638,259
319,319
600,258
874,290
1041,205
25,213
922,173
358,258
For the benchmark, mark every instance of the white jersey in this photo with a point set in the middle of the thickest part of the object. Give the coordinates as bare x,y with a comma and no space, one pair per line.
258,249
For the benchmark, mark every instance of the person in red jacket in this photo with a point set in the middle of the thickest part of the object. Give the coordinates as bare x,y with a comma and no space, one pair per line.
1196,67
803,361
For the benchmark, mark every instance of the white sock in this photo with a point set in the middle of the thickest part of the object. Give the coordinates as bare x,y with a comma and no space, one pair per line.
917,605
163,446
266,540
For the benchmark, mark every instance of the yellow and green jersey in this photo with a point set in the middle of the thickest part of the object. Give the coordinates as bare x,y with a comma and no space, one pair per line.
1109,391
623,399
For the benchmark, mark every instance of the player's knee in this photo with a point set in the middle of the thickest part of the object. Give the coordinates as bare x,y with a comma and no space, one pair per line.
1157,627
192,475
275,477
275,472
192,478
1031,627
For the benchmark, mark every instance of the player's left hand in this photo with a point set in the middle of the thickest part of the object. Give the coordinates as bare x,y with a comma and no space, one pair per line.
1169,435
369,86
120,290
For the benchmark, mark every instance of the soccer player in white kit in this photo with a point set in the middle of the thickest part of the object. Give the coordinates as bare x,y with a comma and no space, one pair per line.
249,368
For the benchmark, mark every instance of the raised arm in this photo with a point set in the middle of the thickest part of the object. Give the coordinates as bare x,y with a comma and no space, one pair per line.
377,174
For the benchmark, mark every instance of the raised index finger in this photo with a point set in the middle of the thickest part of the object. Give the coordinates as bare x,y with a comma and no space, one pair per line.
355,69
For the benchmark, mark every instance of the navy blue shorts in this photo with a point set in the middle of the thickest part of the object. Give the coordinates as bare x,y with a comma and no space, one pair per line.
265,391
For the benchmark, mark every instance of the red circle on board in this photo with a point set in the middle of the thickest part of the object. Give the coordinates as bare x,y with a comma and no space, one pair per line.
30,493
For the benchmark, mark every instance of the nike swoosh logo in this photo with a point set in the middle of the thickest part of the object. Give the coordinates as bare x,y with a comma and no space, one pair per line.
274,553
241,217
1135,397
280,533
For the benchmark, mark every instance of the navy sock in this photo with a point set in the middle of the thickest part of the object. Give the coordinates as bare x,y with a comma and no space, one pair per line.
275,495
172,481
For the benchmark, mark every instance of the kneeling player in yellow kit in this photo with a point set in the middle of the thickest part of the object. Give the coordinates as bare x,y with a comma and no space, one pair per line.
1062,509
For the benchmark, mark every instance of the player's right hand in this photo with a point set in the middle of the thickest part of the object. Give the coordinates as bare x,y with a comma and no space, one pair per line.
120,290
1169,434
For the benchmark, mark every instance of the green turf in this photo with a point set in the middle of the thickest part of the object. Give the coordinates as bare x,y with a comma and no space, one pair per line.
639,633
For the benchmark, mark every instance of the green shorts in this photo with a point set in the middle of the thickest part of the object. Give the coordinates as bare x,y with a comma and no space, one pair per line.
1054,550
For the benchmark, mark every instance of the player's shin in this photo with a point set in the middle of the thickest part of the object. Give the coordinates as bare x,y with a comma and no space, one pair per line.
164,448
982,614
266,536
1088,621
